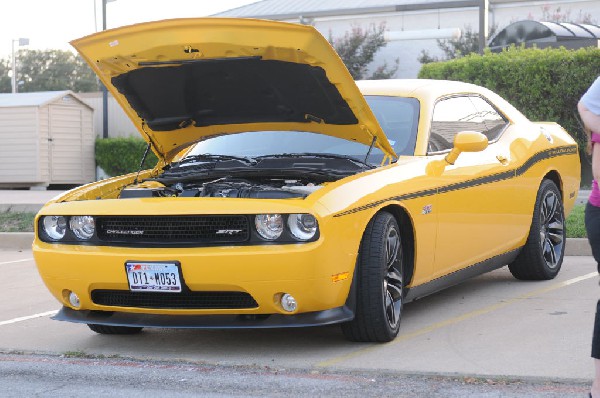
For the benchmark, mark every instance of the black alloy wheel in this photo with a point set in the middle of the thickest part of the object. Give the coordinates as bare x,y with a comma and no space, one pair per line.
380,283
541,257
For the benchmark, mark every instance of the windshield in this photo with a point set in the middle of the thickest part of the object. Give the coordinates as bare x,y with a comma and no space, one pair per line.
398,117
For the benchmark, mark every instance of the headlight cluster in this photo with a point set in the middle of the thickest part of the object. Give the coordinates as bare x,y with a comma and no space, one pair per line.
271,228
300,227
56,228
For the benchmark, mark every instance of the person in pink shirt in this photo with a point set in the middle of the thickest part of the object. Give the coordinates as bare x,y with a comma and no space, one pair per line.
589,110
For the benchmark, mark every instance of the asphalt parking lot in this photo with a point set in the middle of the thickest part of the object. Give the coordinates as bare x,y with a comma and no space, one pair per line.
490,326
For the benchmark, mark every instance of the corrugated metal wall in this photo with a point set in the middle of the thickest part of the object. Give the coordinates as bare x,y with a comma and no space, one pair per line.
19,145
119,124
48,143
72,146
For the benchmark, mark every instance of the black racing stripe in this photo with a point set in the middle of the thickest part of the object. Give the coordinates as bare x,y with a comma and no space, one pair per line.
412,195
547,154
505,175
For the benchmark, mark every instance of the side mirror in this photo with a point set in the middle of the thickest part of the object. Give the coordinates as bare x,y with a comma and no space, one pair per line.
467,141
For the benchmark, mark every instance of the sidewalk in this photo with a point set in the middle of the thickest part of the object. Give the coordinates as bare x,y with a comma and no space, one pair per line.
24,200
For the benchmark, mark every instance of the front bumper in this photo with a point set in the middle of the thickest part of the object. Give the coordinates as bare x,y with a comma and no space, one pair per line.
318,318
309,272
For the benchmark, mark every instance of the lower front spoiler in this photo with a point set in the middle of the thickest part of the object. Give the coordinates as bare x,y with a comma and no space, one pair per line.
319,318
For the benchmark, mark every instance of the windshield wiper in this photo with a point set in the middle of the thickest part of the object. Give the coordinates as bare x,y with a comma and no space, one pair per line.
216,158
315,155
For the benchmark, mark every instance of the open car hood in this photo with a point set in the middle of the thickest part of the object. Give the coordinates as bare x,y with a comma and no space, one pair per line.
184,80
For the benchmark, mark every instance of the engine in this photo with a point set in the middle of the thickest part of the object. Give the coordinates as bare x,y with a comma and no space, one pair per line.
223,188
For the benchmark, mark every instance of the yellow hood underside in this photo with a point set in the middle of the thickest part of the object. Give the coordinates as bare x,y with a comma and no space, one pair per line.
184,80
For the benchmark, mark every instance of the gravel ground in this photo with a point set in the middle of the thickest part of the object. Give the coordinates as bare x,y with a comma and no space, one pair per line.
74,376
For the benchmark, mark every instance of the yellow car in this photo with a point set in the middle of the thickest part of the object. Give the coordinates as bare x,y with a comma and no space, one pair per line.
288,195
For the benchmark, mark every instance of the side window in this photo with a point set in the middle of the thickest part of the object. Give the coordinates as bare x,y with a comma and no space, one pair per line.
466,113
491,121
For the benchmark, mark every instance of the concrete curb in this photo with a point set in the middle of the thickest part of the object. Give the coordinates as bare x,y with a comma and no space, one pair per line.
578,247
16,240
23,240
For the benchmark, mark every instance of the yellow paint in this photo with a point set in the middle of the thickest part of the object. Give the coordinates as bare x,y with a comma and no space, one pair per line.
458,217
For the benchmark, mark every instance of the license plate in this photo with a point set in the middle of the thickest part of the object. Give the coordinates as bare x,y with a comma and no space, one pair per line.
153,277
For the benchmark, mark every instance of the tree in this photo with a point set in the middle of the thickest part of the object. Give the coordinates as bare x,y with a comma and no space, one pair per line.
357,49
50,70
467,43
5,83
557,15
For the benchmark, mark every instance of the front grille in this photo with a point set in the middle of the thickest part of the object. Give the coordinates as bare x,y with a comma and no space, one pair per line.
184,300
167,230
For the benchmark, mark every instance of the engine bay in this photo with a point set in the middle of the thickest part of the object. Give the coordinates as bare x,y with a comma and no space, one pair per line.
224,188
282,176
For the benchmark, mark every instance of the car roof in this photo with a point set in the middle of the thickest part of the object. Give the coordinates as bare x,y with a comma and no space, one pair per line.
429,91
415,87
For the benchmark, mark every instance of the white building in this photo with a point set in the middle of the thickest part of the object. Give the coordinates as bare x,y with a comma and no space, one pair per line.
417,18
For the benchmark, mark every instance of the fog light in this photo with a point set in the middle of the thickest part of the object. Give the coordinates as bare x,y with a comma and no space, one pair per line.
74,300
288,302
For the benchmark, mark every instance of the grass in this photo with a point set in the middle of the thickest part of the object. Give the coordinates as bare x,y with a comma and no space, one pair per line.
575,223
23,222
16,222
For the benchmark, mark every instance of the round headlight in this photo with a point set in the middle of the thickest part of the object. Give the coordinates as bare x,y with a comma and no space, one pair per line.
55,227
269,226
82,226
302,226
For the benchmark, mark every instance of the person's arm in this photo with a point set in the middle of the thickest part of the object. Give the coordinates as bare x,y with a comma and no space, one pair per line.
596,162
589,106
591,122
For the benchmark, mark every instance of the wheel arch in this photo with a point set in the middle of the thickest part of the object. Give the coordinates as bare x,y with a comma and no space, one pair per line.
553,176
406,225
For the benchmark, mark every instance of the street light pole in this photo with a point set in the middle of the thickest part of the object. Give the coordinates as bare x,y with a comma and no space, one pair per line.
104,90
23,41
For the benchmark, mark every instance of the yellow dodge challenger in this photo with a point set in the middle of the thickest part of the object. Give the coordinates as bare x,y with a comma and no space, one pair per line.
287,194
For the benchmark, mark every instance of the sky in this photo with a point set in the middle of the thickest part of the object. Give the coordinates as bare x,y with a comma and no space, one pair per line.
51,24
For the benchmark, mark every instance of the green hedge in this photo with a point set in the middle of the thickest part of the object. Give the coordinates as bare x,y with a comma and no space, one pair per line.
118,156
544,84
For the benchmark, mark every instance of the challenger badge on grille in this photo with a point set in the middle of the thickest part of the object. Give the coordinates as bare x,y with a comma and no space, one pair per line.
127,232
228,232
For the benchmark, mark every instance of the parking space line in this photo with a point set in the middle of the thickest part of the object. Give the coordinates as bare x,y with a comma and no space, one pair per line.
455,320
26,318
17,261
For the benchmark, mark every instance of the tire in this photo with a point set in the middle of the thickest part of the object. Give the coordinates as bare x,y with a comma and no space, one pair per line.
542,255
107,329
380,283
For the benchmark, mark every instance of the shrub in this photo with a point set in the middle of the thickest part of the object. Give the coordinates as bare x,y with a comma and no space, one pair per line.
118,156
544,84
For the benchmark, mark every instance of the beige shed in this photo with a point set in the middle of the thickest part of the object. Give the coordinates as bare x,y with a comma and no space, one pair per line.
45,138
